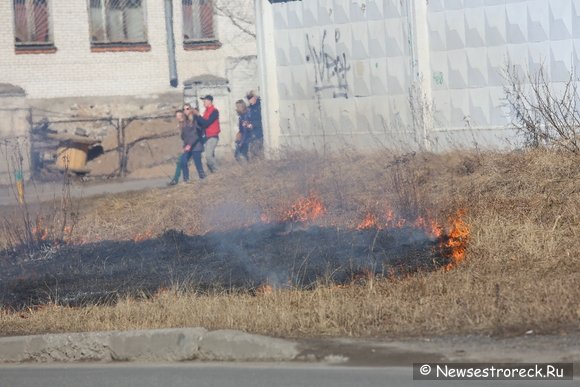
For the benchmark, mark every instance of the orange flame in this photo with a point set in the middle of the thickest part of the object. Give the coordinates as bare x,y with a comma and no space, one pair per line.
305,209
143,236
452,245
429,225
264,289
369,221
39,231
458,237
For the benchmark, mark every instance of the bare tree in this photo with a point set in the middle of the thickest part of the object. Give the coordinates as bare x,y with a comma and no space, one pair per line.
545,113
241,13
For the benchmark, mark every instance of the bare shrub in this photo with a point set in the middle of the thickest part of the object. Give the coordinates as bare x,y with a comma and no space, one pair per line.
36,228
403,179
545,113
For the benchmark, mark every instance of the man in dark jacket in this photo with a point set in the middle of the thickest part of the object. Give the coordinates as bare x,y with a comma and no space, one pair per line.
192,147
255,126
210,123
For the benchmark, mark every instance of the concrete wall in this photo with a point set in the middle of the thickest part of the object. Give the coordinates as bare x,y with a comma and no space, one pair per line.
14,137
409,73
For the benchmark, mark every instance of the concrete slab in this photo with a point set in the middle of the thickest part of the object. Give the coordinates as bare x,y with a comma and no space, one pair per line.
240,346
158,345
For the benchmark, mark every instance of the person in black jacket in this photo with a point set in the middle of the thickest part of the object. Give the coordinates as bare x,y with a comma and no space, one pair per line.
255,126
192,147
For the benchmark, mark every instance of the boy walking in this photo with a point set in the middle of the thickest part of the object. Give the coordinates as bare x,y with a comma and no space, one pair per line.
209,122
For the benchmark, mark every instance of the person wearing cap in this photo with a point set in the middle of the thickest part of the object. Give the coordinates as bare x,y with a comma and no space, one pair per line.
255,125
210,123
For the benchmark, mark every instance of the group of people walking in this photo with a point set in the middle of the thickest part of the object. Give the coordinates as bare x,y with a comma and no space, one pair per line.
200,134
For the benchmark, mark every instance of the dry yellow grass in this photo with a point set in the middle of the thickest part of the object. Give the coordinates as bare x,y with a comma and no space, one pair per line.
523,261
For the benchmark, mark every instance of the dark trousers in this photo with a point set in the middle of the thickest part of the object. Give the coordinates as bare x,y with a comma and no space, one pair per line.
182,165
257,148
242,151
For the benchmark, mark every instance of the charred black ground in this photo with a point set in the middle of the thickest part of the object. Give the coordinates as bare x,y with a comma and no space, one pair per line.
281,255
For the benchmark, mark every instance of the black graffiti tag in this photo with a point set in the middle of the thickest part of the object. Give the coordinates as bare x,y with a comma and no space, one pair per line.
330,70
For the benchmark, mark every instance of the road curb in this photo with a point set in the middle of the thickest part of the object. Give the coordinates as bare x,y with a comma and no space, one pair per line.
236,345
158,345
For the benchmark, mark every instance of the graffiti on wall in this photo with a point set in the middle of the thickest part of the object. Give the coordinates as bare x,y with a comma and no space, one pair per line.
330,69
438,78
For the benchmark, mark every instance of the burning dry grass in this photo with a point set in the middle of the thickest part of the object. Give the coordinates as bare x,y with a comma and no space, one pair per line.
521,269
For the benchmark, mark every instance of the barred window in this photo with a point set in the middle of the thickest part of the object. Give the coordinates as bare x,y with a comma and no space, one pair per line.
32,23
198,21
117,21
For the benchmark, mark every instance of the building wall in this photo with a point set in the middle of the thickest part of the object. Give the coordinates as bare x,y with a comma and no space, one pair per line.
73,70
471,43
14,137
75,82
410,73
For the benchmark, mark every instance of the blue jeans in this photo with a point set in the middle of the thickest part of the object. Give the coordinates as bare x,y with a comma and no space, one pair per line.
182,165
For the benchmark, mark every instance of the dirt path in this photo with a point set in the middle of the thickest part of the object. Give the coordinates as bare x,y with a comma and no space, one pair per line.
529,348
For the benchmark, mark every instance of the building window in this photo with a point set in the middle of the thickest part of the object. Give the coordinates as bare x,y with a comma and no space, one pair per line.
198,22
117,22
32,24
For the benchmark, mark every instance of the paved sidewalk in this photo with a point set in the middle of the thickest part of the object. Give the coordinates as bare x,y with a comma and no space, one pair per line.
39,192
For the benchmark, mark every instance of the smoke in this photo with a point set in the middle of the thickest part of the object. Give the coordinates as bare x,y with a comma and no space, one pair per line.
238,252
238,258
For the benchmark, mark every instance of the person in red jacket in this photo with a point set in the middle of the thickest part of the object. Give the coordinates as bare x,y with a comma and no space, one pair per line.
210,123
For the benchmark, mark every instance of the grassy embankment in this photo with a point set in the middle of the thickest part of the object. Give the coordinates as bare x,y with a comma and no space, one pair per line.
522,267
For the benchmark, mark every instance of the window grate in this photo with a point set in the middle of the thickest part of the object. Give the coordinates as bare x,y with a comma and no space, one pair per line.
198,21
117,22
32,23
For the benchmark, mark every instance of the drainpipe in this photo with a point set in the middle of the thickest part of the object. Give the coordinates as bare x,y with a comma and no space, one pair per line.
170,43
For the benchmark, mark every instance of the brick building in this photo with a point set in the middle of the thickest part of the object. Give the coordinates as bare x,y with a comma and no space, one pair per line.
116,57
63,48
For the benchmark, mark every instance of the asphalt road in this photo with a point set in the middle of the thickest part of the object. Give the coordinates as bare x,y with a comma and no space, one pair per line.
226,375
